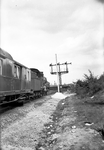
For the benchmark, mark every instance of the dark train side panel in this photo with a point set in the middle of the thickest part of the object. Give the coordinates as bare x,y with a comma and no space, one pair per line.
22,78
6,75
35,82
14,78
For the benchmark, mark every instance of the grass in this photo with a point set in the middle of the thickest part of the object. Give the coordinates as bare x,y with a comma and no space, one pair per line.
90,112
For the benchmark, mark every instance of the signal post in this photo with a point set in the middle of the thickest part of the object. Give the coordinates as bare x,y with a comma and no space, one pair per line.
57,69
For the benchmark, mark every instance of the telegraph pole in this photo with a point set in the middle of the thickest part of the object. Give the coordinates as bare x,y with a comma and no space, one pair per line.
56,69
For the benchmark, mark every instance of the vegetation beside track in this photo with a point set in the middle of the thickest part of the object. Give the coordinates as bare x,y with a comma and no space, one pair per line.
89,86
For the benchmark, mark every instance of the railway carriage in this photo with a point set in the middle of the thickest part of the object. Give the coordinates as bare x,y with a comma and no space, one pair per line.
17,81
6,74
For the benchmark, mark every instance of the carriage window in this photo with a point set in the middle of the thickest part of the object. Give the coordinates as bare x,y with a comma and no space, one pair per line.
0,67
25,73
16,71
28,75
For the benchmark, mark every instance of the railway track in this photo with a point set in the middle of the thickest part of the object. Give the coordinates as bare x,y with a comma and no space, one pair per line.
4,109
7,106
13,104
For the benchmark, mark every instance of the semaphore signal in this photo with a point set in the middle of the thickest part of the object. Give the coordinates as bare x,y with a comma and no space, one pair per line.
57,69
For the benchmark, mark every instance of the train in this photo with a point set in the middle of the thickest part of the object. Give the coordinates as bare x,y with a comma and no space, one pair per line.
18,82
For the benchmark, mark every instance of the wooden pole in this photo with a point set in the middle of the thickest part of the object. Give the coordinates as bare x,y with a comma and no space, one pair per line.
57,74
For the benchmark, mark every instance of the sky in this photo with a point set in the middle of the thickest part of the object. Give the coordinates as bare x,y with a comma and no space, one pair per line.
33,31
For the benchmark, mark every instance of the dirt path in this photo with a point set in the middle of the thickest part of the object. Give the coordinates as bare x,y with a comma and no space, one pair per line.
23,134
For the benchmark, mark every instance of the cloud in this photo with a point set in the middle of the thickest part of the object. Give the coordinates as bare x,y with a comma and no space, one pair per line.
101,1
85,43
52,16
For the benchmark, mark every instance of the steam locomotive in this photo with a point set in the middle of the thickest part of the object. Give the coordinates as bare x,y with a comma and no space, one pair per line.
18,82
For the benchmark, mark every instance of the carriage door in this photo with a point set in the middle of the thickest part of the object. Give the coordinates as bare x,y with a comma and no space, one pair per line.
17,77
23,79
1,78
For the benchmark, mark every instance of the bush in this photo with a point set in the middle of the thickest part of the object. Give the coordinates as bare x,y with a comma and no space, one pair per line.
90,85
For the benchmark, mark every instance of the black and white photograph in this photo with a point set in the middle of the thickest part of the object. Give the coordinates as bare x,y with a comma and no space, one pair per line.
52,75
